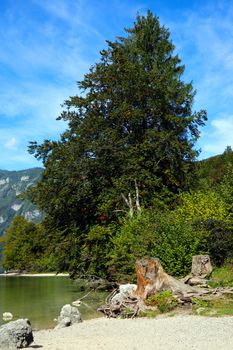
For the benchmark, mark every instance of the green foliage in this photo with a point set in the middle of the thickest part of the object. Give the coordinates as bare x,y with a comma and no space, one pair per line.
133,240
211,171
201,306
161,235
23,245
222,277
210,214
202,206
133,122
219,240
226,188
95,250
165,301
215,307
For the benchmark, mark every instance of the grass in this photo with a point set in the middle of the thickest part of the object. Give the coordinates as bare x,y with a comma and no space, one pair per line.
221,306
215,307
222,277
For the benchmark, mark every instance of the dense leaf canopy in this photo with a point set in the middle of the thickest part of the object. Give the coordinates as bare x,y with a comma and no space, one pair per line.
132,121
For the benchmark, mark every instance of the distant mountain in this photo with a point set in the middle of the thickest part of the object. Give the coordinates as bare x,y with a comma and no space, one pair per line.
12,184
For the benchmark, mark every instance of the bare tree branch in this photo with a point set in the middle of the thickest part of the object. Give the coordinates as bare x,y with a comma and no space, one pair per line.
137,197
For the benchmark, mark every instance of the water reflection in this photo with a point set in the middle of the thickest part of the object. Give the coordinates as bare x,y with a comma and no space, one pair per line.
40,298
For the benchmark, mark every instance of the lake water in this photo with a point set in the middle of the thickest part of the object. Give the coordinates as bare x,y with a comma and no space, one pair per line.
40,299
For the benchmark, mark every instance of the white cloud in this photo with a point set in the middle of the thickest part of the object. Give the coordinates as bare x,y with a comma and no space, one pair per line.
203,38
11,144
220,136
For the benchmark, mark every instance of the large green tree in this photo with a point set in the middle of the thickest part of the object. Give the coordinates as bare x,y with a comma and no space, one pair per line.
132,123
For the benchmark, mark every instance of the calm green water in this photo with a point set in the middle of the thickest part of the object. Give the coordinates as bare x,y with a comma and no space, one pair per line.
40,299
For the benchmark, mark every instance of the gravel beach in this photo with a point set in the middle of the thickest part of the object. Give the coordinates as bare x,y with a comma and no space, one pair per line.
170,333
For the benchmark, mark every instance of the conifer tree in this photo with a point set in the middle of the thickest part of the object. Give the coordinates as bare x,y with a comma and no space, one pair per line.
133,124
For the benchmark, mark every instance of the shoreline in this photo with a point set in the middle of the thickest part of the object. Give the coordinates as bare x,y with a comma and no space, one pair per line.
170,333
46,274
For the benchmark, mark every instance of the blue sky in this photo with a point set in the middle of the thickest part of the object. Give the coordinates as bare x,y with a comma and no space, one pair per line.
48,45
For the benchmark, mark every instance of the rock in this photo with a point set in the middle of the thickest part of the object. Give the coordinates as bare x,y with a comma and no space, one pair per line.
64,322
68,316
125,291
7,316
16,334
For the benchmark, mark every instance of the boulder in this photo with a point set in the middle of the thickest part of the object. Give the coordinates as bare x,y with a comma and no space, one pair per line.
68,316
125,291
16,334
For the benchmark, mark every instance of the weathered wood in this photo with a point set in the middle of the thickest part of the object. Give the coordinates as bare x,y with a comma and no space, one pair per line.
151,278
201,266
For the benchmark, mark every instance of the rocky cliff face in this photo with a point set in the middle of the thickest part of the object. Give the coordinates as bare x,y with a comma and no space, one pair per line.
12,184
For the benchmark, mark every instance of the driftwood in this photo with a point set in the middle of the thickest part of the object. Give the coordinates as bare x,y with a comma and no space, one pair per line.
201,266
127,308
151,278
201,269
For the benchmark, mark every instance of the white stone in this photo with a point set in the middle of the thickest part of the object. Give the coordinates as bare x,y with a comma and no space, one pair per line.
16,206
16,334
30,215
6,316
125,291
68,316
4,181
24,178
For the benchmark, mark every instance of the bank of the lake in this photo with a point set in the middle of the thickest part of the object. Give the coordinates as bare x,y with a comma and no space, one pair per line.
40,298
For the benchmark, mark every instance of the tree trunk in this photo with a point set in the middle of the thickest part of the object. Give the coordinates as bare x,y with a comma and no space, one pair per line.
151,278
201,266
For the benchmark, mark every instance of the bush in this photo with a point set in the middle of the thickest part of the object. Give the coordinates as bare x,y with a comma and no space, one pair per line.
164,235
165,301
219,240
202,206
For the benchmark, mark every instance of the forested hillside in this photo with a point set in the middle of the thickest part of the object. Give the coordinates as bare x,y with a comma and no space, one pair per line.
123,180
211,171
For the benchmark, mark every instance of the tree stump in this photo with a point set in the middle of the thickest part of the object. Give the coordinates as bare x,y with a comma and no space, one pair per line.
201,266
151,278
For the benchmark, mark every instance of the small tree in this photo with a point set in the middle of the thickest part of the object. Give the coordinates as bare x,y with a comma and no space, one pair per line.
23,245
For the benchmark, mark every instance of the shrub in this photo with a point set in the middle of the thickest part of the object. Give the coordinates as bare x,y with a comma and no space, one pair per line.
202,206
219,240
165,301
163,235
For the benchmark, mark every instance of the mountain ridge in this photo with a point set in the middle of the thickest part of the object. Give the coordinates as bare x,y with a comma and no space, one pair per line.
12,184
